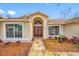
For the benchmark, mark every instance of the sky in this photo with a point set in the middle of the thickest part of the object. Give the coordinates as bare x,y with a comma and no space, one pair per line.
53,10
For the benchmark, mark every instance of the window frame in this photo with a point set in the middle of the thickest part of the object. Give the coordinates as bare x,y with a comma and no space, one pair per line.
8,30
54,30
4,32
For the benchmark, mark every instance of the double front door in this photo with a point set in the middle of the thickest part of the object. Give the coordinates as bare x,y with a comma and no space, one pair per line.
38,31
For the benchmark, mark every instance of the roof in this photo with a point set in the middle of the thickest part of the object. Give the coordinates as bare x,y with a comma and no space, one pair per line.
73,20
50,21
30,14
38,13
53,21
58,21
14,20
1,17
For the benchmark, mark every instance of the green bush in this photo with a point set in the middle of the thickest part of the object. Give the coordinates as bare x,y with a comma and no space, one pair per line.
76,46
61,35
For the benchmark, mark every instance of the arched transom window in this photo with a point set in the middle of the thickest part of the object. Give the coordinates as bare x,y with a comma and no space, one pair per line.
37,22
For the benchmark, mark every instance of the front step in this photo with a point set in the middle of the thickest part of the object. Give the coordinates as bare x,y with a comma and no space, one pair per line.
37,38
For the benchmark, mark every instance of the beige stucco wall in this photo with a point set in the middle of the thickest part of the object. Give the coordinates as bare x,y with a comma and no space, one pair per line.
26,32
45,26
1,30
68,29
27,28
60,28
71,30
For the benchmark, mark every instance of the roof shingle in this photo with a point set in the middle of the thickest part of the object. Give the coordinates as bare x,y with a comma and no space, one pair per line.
56,21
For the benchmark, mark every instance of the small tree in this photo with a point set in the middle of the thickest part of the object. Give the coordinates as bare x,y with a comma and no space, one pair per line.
65,13
76,14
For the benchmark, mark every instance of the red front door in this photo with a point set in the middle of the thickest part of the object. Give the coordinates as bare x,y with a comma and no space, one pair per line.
38,31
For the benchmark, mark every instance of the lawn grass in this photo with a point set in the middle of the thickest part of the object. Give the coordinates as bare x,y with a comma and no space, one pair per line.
14,49
54,46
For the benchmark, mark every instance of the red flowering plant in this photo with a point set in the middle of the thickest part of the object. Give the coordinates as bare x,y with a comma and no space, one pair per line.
75,40
7,43
18,42
1,41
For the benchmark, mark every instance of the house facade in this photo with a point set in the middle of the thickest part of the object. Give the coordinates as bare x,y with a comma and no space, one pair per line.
37,24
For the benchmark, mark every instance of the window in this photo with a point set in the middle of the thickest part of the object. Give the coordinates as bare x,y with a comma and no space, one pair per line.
53,30
38,22
13,30
9,30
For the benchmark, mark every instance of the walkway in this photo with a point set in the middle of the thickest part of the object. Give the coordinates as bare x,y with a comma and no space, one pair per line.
38,49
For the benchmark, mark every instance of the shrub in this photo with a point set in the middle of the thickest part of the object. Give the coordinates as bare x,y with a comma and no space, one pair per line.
1,41
56,37
18,42
75,40
7,43
33,39
61,38
50,36
76,46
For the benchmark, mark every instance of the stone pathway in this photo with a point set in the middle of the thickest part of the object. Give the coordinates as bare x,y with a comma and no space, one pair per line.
38,49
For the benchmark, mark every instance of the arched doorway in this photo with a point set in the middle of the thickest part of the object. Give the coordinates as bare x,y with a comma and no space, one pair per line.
38,27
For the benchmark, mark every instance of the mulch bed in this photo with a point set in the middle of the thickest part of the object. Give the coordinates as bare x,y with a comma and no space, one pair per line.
55,46
15,49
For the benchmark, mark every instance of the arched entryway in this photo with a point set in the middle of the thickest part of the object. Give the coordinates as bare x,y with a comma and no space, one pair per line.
38,27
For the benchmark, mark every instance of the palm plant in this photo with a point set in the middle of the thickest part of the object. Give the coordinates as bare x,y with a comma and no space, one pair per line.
61,37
